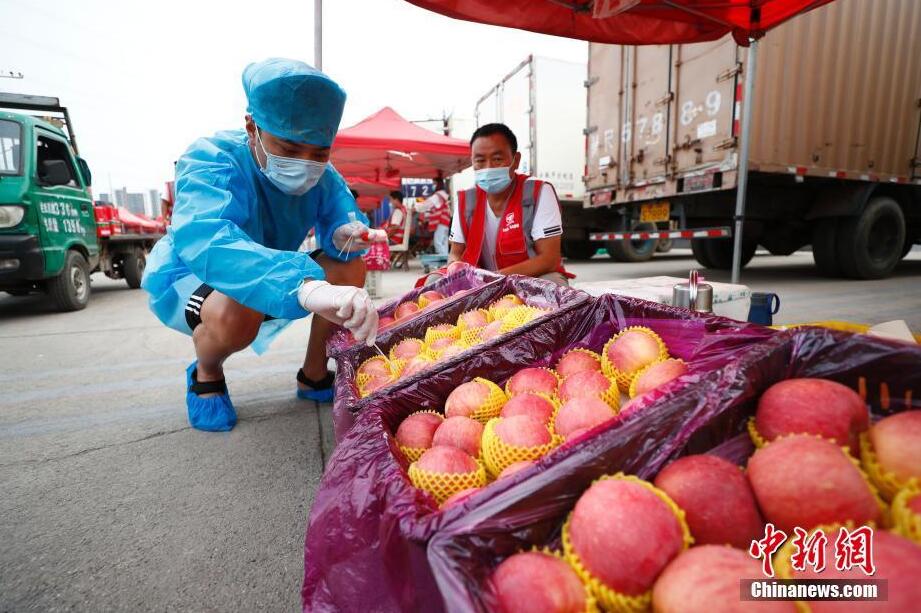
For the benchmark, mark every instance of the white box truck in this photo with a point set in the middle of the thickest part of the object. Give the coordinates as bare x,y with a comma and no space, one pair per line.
542,100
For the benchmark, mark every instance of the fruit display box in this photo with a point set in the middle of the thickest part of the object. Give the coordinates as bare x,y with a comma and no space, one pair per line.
534,292
454,286
710,416
369,527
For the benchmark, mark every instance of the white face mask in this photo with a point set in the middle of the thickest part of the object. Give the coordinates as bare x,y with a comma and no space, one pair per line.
291,175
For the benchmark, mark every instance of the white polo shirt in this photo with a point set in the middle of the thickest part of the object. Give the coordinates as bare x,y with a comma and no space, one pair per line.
548,222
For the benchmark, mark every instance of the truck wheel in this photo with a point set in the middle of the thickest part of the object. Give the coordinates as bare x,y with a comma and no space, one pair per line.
870,244
909,243
664,245
718,252
70,290
823,247
700,253
133,266
634,251
579,249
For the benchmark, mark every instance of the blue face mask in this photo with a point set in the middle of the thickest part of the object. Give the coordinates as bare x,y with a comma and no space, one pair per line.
291,175
493,180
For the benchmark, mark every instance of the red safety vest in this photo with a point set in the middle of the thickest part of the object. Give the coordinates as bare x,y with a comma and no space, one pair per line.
513,241
397,231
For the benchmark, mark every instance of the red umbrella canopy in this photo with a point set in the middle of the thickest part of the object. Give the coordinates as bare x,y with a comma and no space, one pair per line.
386,146
630,22
369,187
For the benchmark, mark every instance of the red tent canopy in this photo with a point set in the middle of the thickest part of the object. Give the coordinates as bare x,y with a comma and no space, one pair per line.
630,22
143,222
386,146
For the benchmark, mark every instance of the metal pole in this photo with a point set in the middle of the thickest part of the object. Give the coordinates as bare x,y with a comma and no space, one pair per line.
744,144
318,34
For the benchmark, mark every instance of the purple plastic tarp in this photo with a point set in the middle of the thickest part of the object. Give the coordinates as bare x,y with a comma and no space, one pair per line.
706,417
534,292
369,527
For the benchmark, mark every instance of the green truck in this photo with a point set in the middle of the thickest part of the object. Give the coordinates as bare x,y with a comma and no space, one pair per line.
52,234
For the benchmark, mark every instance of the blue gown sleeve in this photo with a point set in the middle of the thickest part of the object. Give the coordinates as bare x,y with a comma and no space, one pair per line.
213,201
336,203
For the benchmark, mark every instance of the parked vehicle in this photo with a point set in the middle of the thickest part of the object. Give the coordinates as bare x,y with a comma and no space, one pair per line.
52,234
835,154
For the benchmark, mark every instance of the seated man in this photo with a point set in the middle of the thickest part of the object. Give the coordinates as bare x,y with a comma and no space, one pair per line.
436,210
510,223
229,273
396,224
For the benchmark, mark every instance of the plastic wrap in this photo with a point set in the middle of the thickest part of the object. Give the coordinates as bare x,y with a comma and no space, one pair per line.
348,403
708,417
369,528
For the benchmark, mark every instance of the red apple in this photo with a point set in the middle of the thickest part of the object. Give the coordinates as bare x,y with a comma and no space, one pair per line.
461,432
522,431
533,380
581,414
585,384
466,399
537,407
537,581
407,309
446,460
897,442
577,361
417,430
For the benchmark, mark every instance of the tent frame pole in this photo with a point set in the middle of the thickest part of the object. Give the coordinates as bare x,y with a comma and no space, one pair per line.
744,145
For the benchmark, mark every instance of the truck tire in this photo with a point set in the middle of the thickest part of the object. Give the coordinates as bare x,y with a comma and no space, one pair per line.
133,265
634,251
664,245
718,252
700,254
906,249
575,249
70,290
869,245
824,252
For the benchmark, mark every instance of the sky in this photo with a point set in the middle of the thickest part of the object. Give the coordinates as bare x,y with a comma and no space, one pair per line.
142,80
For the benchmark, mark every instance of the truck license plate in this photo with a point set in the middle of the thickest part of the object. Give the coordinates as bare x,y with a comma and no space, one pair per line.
655,211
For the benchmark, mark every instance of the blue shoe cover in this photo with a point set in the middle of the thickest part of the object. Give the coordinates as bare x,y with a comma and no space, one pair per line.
324,395
213,414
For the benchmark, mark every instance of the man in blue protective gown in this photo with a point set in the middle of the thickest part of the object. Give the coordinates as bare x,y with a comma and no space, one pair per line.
229,272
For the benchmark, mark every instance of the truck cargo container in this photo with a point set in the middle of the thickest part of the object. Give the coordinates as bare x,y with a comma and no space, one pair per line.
835,156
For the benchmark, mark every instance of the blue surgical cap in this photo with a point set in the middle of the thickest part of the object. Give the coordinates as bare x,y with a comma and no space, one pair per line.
294,101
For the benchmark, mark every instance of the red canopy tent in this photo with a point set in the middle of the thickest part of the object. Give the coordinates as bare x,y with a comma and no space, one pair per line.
385,146
646,22
370,192
141,223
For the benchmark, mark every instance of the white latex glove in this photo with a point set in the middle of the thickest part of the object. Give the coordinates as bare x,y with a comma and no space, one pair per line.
352,236
348,306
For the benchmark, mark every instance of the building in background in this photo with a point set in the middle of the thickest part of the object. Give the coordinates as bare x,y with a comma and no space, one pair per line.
105,197
121,197
153,199
135,203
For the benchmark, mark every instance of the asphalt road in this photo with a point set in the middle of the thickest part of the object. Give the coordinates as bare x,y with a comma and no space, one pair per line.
111,502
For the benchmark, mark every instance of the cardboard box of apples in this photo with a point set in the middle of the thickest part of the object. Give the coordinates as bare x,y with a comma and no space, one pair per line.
436,339
658,513
381,503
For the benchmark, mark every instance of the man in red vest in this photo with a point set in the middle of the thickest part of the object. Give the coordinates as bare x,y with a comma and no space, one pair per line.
509,222
396,225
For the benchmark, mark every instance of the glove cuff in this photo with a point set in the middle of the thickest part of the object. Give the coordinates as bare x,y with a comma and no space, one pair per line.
306,289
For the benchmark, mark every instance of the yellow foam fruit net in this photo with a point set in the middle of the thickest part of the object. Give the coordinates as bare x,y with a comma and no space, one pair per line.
414,453
520,315
497,455
635,379
886,482
433,334
905,521
461,325
498,312
549,370
437,353
423,301
591,605
756,437
471,336
492,404
608,598
415,341
588,352
444,485
624,378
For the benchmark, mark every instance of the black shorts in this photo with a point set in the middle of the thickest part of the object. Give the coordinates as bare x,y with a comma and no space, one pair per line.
197,299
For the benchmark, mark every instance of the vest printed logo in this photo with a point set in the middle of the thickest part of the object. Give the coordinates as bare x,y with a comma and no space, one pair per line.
510,218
